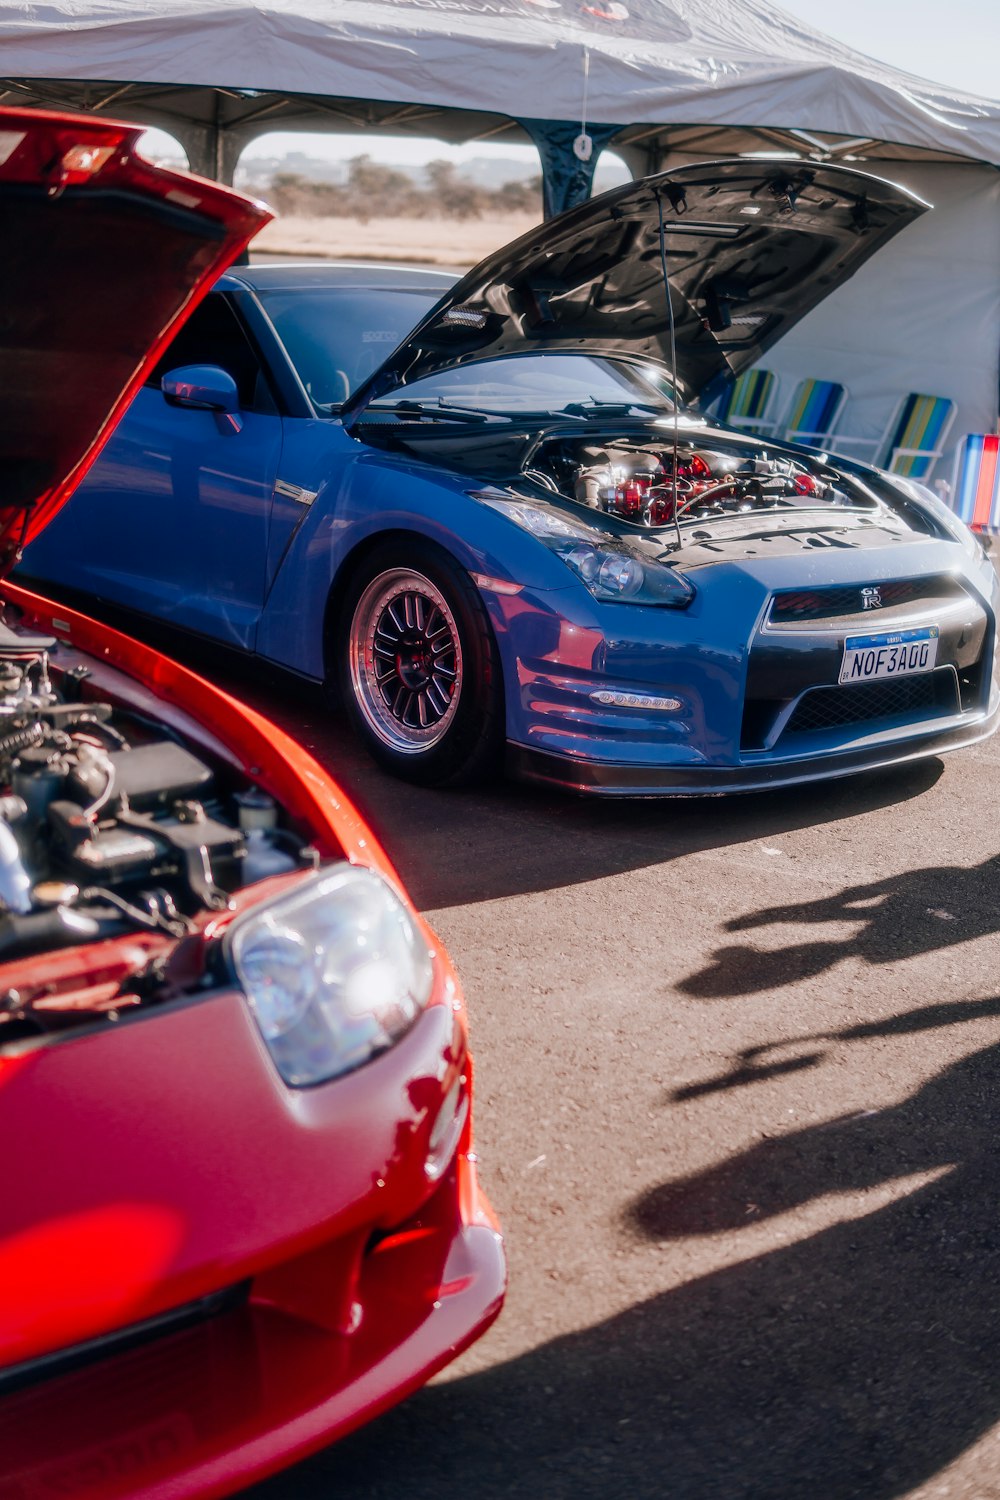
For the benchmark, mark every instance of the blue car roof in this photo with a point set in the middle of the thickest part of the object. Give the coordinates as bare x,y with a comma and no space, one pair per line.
271,277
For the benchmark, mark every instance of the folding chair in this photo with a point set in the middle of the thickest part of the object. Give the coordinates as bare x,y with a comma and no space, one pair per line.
976,487
814,412
749,401
914,439
917,440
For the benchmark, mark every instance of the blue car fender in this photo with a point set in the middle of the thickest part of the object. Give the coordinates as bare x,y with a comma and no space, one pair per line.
366,501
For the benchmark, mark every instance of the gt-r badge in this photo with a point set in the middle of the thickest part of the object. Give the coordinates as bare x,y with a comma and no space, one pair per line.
871,598
294,492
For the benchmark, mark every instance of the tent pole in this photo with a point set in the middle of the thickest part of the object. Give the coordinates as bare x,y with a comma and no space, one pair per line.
566,180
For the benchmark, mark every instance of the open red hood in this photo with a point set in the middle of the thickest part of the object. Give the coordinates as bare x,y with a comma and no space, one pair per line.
102,256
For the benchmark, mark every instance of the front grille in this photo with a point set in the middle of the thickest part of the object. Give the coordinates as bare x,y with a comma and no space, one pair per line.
928,695
62,1361
832,603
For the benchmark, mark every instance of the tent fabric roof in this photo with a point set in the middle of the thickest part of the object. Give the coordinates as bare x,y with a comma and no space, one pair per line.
719,62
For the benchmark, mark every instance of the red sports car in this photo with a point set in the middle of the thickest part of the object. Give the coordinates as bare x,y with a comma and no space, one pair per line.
239,1211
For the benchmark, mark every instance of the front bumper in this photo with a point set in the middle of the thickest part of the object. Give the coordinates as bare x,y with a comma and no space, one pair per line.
610,779
323,1258
226,1402
729,696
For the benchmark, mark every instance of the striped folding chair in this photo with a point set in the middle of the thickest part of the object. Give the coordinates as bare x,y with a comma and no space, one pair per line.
976,487
814,412
749,401
914,439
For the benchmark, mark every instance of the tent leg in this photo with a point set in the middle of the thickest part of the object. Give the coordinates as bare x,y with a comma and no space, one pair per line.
566,180
212,150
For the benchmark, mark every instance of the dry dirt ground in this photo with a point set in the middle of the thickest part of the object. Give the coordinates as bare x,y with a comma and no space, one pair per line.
439,242
738,1089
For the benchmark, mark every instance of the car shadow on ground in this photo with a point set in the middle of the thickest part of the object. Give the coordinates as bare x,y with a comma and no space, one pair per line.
456,847
858,1361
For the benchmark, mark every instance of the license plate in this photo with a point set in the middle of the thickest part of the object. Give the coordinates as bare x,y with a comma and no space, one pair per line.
898,653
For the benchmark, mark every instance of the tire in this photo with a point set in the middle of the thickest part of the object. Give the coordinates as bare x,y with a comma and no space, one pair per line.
418,667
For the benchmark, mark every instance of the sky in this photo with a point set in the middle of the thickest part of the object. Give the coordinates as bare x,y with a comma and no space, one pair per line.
957,44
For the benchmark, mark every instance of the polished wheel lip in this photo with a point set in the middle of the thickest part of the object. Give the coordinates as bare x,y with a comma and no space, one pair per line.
405,653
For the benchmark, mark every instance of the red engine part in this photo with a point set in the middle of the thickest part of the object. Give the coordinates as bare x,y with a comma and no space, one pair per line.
630,497
644,494
694,477
696,468
647,493
661,509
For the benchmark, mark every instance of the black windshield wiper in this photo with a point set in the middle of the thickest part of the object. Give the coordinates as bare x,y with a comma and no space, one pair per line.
433,410
593,408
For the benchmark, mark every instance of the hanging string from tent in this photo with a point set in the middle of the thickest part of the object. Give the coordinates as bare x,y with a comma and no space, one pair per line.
583,146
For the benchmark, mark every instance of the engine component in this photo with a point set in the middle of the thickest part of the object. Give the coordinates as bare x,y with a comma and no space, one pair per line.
38,777
55,927
15,886
153,775
255,809
54,893
106,828
205,851
643,482
264,858
115,853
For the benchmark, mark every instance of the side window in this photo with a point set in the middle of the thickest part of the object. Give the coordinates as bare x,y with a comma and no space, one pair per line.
213,335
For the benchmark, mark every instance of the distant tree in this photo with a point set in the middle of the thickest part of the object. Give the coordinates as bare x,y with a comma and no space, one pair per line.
375,178
522,196
374,190
453,196
377,191
291,193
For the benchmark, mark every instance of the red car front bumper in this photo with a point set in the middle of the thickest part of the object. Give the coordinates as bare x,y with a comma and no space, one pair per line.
230,1273
220,1404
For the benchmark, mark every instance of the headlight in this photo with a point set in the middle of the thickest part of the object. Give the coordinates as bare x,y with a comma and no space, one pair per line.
334,972
614,568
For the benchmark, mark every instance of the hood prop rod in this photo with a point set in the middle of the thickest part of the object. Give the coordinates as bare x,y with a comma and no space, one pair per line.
673,361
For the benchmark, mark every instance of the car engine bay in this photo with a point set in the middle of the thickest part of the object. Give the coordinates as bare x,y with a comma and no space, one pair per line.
650,483
111,827
634,470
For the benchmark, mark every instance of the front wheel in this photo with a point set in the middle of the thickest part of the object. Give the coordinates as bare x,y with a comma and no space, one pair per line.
418,666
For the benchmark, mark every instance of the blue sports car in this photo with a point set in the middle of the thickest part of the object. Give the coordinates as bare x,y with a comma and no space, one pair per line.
492,512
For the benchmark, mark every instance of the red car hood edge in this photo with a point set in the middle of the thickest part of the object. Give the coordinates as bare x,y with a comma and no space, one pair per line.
110,254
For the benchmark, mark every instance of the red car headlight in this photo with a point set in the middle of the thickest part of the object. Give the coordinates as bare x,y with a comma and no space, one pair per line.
334,972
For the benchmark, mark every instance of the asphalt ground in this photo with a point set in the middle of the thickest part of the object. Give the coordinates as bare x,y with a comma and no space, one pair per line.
738,1068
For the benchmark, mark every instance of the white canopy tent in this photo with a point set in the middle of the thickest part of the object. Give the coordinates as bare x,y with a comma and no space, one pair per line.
662,80
743,63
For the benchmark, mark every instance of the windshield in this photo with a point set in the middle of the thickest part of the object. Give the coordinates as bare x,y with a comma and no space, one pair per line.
337,336
538,382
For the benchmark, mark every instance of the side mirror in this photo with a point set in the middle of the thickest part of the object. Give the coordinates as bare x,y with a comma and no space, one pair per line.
205,388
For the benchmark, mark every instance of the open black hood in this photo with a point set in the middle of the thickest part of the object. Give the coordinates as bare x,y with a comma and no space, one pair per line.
750,247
